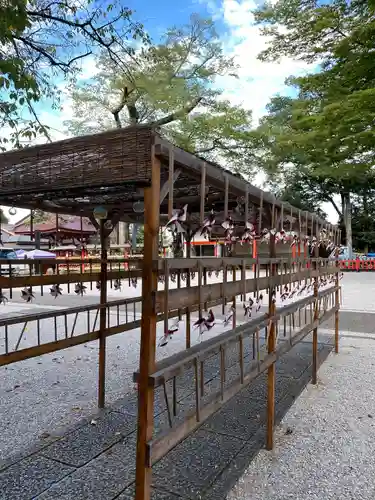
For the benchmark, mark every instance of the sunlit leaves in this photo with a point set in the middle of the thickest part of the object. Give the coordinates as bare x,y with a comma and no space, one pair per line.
171,86
329,127
44,41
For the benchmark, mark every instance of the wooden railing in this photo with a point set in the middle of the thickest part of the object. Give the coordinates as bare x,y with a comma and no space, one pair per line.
269,333
17,273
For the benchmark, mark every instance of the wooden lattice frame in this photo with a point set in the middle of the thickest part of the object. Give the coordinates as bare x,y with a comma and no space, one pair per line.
160,177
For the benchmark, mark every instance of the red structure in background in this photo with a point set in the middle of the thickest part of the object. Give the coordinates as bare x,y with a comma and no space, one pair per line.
357,265
59,229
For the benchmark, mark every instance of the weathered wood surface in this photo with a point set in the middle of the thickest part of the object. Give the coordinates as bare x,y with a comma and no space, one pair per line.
161,445
208,293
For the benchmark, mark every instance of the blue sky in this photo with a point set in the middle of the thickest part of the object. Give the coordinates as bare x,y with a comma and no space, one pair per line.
240,37
164,13
257,82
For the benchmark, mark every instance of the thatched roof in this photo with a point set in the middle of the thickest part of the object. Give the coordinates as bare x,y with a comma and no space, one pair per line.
110,169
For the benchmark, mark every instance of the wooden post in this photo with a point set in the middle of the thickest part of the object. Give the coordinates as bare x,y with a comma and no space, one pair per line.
82,248
201,218
225,253
31,225
316,310
271,376
188,283
148,334
170,182
103,314
337,303
246,220
306,236
57,228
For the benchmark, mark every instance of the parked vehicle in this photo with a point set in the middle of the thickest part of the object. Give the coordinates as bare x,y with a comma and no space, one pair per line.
15,266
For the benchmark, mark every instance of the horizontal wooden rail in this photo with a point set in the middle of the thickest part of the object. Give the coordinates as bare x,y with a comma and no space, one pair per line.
71,261
194,264
13,320
88,274
158,447
61,279
173,365
207,293
48,347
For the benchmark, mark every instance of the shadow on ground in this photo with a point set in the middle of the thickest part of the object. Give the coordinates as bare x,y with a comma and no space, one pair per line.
95,460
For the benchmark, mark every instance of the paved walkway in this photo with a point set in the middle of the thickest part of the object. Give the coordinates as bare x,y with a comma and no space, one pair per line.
95,459
325,445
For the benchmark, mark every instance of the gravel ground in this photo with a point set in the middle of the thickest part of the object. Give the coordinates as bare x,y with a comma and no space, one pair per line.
45,394
358,292
325,445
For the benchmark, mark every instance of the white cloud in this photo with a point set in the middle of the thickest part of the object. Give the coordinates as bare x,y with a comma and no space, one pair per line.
56,120
258,81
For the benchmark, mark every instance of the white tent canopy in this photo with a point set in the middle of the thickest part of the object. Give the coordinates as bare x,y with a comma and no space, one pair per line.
39,254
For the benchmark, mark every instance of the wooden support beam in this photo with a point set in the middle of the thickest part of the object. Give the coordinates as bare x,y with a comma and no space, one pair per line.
260,213
271,374
170,183
148,335
114,219
203,192
165,188
337,303
226,195
103,314
316,312
94,222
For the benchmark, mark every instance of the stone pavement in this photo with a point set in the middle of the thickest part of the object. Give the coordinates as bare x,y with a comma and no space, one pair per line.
94,460
325,444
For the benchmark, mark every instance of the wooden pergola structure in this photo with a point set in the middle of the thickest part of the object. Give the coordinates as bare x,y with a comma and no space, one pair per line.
114,171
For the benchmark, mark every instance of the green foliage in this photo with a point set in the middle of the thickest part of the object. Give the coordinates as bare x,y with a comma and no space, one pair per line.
363,221
140,235
327,131
300,191
220,132
171,86
3,217
44,42
332,119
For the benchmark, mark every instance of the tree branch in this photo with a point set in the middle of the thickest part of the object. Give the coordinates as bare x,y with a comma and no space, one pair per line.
131,108
331,200
177,114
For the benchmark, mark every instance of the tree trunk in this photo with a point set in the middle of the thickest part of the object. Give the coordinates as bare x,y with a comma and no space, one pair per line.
121,233
135,228
365,211
347,216
127,232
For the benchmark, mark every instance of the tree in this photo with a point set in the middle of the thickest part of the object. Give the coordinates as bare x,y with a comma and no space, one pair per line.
328,129
296,190
299,142
363,221
44,43
171,86
3,217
